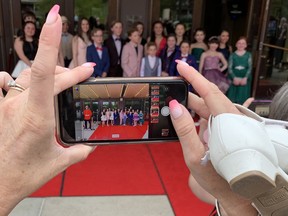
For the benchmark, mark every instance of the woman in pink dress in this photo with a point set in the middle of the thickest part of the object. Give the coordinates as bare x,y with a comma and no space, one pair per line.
80,43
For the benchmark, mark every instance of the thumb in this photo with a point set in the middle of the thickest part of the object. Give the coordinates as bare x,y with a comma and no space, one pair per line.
77,153
193,149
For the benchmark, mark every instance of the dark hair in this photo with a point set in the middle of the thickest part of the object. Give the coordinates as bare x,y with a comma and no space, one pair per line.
131,31
151,43
172,35
135,24
28,14
213,39
79,29
153,36
94,30
184,41
195,31
224,30
114,22
22,37
180,24
138,23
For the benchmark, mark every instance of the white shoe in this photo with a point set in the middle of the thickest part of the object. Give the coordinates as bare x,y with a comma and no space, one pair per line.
277,133
242,152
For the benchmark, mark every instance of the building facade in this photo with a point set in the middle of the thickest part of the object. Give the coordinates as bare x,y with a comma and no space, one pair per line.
258,20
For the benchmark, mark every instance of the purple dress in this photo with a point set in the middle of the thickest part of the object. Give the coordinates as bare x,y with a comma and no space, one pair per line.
211,71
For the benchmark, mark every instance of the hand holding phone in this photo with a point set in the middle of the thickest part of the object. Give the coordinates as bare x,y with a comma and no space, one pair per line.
122,110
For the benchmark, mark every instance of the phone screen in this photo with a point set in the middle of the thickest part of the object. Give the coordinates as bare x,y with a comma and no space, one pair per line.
103,113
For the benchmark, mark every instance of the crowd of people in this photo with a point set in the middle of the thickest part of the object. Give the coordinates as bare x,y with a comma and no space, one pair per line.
120,117
136,56
31,155
110,116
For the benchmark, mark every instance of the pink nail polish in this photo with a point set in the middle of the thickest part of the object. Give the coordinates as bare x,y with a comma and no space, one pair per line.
175,109
181,62
53,14
89,64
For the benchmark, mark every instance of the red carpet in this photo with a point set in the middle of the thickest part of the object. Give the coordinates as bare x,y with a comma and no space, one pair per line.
123,132
52,188
174,174
114,170
154,169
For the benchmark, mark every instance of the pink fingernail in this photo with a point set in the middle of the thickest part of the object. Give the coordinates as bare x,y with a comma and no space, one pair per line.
53,14
89,64
175,109
178,61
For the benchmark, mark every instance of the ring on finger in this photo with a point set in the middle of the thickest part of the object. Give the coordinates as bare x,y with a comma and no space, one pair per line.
13,85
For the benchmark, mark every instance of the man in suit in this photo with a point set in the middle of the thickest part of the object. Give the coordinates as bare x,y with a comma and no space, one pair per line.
66,42
98,54
114,44
132,55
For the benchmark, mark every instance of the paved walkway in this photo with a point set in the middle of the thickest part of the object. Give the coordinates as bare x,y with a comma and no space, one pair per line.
95,206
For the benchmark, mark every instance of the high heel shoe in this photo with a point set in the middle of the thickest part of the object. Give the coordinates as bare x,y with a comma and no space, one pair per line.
242,152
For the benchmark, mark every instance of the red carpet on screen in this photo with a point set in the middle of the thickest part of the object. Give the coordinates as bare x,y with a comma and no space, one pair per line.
119,132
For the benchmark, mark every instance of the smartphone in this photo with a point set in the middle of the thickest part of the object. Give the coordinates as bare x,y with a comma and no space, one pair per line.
119,110
261,107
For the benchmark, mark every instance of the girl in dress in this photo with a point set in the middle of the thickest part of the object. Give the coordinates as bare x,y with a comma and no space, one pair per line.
107,113
135,118
199,46
224,47
180,31
168,54
112,117
158,36
212,64
239,69
141,118
121,116
103,118
26,47
80,43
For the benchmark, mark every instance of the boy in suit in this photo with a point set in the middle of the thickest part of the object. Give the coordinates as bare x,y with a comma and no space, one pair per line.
184,56
98,54
132,55
114,44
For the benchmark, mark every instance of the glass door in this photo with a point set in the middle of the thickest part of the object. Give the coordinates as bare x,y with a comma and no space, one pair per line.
272,68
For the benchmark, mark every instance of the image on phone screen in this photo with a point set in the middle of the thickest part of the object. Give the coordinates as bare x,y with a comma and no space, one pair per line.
113,112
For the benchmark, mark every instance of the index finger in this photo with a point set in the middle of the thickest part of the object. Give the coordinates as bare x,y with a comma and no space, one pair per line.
43,68
216,101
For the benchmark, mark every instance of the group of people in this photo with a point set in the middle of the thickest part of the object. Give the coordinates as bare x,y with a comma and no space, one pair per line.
127,116
31,155
122,117
154,56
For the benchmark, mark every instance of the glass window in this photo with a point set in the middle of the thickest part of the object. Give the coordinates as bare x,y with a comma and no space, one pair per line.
275,52
96,11
173,12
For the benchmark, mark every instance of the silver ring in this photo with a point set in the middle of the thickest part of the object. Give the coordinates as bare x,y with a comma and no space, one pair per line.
13,85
